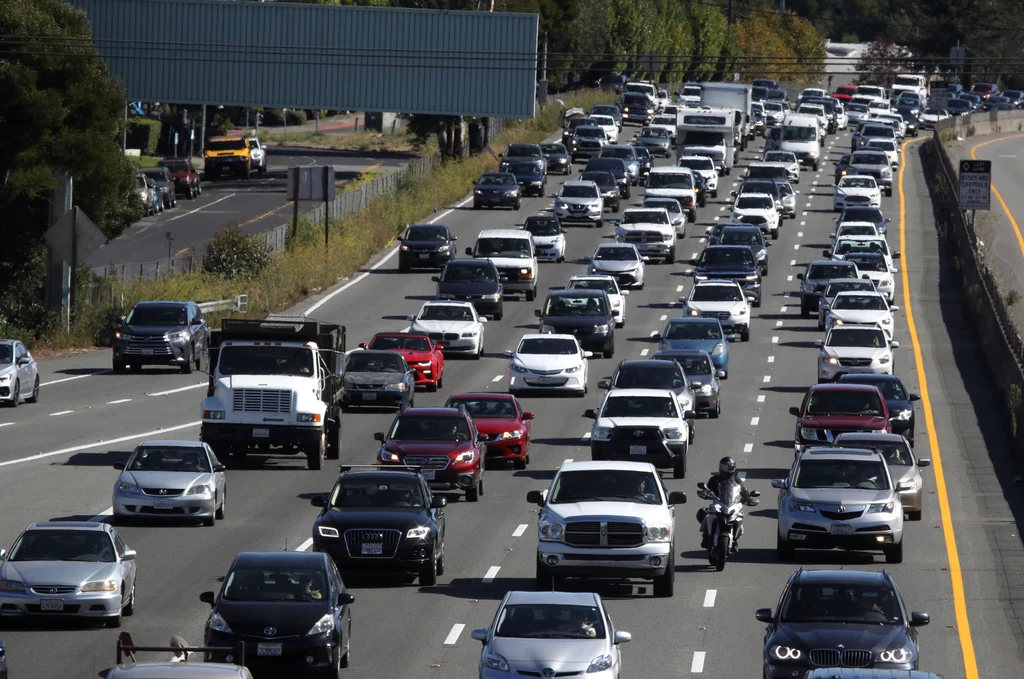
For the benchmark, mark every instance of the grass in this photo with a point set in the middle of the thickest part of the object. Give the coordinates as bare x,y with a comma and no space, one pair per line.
363,179
363,142
307,267
145,161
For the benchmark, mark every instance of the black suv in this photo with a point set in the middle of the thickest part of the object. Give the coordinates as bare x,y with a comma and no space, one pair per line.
816,277
425,246
839,618
531,153
587,314
377,520
291,608
608,187
161,333
472,280
730,263
617,166
752,237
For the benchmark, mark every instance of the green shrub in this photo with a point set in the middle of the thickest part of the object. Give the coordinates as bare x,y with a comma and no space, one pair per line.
144,134
232,254
295,116
273,117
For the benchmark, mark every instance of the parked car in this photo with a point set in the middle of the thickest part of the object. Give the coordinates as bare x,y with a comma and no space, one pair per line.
185,175
164,180
258,154
18,370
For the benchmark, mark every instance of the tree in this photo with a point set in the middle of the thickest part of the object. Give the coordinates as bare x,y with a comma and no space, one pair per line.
60,111
881,61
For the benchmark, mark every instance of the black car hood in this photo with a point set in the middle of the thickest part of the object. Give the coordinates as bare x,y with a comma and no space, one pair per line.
726,268
576,321
402,518
151,330
496,188
868,637
465,288
426,243
528,176
381,377
289,618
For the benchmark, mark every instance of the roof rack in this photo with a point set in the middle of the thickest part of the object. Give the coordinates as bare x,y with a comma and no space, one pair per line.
125,647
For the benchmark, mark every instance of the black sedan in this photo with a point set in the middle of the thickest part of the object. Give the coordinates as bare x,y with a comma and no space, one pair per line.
558,158
295,607
532,180
376,521
586,314
608,187
377,379
899,401
425,246
839,618
497,189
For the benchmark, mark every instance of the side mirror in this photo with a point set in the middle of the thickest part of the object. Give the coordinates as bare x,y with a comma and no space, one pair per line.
622,637
318,500
208,598
894,344
118,320
924,462
455,238
604,384
482,319
129,555
904,487
528,415
586,259
119,465
794,411
689,415
345,598
469,251
480,635
219,467
827,253
832,235
768,244
914,397
590,414
677,497
378,436
645,258
732,193
623,292
799,276
896,254
197,321
588,354
763,614
919,619
535,497
819,343
481,437
438,502
400,238
894,308
888,219
362,345
410,318
701,485
656,336
616,313
755,493
436,279
507,353
720,374
537,313
779,483
708,230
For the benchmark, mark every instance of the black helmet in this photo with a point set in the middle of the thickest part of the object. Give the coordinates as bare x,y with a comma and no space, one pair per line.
727,465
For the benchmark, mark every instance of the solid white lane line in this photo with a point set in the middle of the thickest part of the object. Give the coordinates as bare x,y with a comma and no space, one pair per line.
453,636
61,412
497,378
767,379
520,529
492,573
120,400
305,545
98,444
186,214
748,447
775,339
76,377
760,398
771,359
709,598
645,352
697,666
6,424
180,389
754,421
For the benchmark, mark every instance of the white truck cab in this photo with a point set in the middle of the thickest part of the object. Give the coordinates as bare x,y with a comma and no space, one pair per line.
514,255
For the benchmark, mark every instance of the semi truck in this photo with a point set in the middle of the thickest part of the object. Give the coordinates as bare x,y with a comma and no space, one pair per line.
707,132
735,96
275,388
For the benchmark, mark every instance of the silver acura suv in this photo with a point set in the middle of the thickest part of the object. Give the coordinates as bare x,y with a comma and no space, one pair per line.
840,498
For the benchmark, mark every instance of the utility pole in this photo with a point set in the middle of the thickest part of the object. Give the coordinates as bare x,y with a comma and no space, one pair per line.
782,6
732,17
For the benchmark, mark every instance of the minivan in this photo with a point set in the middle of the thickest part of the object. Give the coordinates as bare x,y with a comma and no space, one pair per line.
802,136
513,253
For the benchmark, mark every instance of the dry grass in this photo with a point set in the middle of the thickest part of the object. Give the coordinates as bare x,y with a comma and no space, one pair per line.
362,142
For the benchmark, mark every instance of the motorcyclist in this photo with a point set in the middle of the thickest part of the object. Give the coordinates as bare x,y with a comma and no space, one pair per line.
726,474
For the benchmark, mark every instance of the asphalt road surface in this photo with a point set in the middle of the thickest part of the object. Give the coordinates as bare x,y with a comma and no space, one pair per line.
256,205
56,457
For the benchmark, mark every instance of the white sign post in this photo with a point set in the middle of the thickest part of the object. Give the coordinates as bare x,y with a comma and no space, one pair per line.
975,186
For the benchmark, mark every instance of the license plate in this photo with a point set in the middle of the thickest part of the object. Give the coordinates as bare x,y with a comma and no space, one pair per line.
268,649
372,548
260,433
548,380
163,504
369,396
841,529
147,352
51,605
638,450
425,255
427,474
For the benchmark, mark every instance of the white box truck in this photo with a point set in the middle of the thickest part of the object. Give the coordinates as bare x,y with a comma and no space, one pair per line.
706,132
735,96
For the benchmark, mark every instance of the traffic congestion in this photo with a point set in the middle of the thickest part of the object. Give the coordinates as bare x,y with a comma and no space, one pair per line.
560,416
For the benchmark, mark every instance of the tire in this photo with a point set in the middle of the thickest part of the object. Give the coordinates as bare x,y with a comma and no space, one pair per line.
129,608
888,193
334,441
34,398
120,367
517,205
894,554
671,259
498,315
531,295
775,234
610,351
112,623
479,352
745,336
714,194
544,581
209,520
665,585
757,303
783,551
721,553
315,455
222,510
804,311
519,464
599,223
714,414
679,468
473,494
428,574
913,516
190,363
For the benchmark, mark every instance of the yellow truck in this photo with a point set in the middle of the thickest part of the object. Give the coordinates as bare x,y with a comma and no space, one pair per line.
228,155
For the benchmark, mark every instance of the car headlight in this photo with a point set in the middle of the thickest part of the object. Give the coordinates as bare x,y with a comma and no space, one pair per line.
4,378
388,456
742,311
718,350
895,655
444,248
397,386
798,506
601,434
516,368
496,297
692,312
833,320
905,415
418,533
327,532
405,248
468,456
201,489
786,653
812,154
886,321
495,662
674,433
881,507
705,389
219,624
546,329
573,369
549,531
176,336
125,487
11,586
829,360
478,192
512,434
122,336
470,333
311,417
602,329
324,625
884,360
214,415
100,586
601,663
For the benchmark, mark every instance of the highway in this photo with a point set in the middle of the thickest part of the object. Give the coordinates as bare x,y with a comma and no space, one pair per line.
256,205
57,456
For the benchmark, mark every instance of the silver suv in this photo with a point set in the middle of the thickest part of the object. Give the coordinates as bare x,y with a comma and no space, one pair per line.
606,520
840,498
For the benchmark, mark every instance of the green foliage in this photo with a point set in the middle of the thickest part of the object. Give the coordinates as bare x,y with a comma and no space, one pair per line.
295,116
232,254
143,134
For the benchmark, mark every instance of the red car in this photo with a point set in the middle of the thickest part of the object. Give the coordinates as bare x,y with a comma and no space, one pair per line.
420,352
443,443
186,179
844,92
832,409
985,90
502,420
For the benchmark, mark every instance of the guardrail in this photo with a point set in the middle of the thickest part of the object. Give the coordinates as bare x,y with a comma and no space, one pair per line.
239,304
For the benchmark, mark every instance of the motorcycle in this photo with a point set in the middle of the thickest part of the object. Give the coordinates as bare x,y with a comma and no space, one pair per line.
726,519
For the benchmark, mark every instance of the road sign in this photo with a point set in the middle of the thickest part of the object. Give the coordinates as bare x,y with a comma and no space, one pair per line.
314,183
975,184
652,63
938,98
74,237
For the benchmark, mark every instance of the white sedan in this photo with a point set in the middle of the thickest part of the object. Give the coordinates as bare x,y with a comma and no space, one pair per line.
856,191
548,362
455,326
860,307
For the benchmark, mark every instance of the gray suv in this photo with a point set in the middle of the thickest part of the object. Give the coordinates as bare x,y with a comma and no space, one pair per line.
161,333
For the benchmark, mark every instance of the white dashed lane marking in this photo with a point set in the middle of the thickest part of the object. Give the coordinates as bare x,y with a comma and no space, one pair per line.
497,378
760,399
453,636
520,529
748,447
754,421
120,400
645,352
709,598
491,573
766,379
771,359
697,666
61,412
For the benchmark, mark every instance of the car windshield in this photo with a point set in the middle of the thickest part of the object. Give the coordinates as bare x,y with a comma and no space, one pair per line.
603,120
892,390
6,354
868,262
834,289
403,341
934,111
548,346
785,189
614,254
511,248
670,204
563,305
642,153
855,302
521,168
469,273
858,230
63,545
714,256
427,233
669,180
522,151
645,217
175,165
819,271
445,312
861,214
779,157
869,338
155,173
856,182
639,406
606,485
429,428
606,284
578,191
550,621
376,492
958,105
691,365
498,408
772,106
704,138
741,237
646,377
625,153
766,172
496,180
542,226
605,110
157,315
590,132
274,584
878,105
861,474
857,108
869,159
716,293
553,149
633,99
754,203
882,145
896,453
604,180
255,360
842,603
697,163
759,186
848,245
655,133
365,362
664,120
169,459
694,330
799,134
226,145
844,402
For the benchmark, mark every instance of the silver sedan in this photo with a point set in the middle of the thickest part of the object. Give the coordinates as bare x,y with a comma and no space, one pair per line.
19,374
171,479
68,569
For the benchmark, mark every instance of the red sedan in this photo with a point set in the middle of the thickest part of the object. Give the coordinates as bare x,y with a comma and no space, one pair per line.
503,422
844,92
422,355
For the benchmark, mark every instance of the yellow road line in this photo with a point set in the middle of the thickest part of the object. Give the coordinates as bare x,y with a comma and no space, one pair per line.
963,626
999,196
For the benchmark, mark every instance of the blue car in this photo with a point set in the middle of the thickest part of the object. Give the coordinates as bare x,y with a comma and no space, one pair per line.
704,334
3,661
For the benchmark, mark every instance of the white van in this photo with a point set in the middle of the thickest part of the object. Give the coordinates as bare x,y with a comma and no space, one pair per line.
514,255
802,135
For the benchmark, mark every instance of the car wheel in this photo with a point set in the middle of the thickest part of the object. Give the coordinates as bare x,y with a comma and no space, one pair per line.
894,554
428,574
34,398
15,395
479,352
745,336
473,494
531,295
714,414
498,314
315,455
545,582
113,622
679,468
775,234
913,516
610,351
757,303
664,585
222,509
190,361
805,312
783,550
519,464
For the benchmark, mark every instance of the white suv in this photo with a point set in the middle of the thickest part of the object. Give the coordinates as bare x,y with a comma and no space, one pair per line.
723,300
606,520
854,349
650,230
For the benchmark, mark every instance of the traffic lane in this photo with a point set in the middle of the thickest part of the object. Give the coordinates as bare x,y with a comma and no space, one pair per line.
971,430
